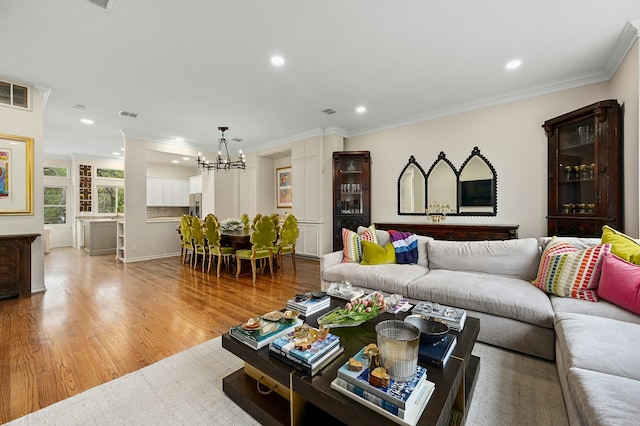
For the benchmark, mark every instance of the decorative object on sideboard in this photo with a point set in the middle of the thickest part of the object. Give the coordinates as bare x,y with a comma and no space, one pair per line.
437,211
223,163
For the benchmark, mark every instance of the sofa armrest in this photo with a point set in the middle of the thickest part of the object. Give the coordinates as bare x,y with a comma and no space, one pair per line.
326,261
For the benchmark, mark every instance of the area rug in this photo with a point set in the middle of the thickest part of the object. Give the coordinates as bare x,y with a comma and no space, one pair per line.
187,389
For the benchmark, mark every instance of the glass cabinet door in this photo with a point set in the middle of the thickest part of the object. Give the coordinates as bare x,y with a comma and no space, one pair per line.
350,185
577,168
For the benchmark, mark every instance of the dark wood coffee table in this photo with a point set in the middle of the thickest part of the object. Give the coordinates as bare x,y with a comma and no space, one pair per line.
299,399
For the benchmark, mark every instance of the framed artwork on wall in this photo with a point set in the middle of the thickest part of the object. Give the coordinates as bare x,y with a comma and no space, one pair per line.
16,175
283,187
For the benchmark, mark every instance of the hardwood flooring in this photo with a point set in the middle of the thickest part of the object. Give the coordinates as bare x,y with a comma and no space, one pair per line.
101,319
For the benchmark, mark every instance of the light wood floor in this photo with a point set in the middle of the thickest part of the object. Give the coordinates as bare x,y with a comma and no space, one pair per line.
101,319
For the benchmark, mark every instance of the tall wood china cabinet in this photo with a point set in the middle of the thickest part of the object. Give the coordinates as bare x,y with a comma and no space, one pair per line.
585,170
351,192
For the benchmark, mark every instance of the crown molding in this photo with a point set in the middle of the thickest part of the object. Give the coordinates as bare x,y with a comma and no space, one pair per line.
628,37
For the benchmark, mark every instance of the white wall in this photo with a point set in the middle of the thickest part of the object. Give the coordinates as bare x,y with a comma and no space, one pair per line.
29,124
512,139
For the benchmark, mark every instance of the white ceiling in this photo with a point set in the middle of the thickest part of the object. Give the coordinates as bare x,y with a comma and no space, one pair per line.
188,67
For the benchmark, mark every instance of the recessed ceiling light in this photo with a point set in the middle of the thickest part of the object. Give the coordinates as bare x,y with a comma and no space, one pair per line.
80,108
512,65
115,153
361,109
122,149
277,61
179,139
86,121
185,158
175,161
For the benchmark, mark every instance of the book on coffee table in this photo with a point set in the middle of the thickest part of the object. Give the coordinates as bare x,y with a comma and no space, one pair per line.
407,416
439,353
318,349
266,333
399,394
310,369
453,317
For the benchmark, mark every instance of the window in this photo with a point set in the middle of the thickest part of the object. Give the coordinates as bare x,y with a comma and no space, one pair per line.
55,205
110,199
110,173
55,171
14,95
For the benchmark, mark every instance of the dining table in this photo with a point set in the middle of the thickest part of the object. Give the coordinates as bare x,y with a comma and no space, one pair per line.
238,239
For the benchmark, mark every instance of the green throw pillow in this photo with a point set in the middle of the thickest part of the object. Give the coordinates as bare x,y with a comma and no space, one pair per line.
622,245
373,254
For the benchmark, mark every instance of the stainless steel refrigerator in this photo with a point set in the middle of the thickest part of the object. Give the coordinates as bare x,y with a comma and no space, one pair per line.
195,205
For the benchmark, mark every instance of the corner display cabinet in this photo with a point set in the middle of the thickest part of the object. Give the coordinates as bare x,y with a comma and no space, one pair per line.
585,170
351,192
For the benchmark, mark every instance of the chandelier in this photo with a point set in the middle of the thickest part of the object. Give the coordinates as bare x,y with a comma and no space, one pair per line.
222,163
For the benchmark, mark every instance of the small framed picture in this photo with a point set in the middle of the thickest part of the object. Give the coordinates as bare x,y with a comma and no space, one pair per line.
283,187
16,175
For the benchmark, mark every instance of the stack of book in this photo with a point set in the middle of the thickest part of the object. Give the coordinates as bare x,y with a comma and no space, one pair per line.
266,333
311,360
309,306
401,402
438,353
453,317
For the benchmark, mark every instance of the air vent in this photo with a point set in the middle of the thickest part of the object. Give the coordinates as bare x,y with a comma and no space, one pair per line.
236,140
105,4
329,111
128,114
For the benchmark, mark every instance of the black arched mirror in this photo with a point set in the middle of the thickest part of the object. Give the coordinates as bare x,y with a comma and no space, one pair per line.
412,189
477,186
442,185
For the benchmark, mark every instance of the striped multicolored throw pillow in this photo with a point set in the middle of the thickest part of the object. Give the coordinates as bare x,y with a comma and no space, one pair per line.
568,272
352,247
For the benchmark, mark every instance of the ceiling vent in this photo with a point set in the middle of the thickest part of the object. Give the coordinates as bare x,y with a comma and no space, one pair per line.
329,111
105,4
128,114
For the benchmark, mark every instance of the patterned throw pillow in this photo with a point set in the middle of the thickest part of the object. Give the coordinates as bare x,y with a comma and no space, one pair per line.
369,234
352,247
620,283
568,272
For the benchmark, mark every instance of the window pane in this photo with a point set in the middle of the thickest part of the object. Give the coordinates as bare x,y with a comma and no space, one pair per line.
106,199
120,200
20,97
55,196
55,215
110,173
55,171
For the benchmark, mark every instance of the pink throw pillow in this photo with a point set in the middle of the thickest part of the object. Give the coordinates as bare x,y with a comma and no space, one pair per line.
620,283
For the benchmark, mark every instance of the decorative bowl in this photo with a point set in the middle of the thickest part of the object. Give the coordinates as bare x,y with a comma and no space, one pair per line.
430,331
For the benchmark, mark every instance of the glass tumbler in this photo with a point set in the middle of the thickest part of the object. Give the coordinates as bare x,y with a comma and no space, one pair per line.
399,343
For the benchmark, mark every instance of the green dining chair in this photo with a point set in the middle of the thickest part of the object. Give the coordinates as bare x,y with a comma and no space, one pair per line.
262,240
287,241
186,245
255,220
215,249
245,220
199,242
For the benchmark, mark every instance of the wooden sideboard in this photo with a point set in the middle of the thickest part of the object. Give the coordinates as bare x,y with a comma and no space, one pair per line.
15,265
455,231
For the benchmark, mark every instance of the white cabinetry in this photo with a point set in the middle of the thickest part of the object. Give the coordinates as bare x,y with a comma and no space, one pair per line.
195,184
120,248
167,192
305,164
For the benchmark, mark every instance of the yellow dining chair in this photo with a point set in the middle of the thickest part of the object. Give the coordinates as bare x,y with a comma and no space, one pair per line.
255,220
287,241
262,239
245,220
199,242
212,233
185,238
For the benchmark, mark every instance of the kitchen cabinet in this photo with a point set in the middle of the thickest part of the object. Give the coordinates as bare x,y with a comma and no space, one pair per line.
100,236
167,192
585,170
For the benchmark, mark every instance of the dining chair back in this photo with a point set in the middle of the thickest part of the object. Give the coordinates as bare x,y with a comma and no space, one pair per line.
199,242
262,246
287,241
255,220
186,245
214,247
245,220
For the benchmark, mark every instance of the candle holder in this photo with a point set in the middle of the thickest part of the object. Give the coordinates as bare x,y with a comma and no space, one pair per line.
437,212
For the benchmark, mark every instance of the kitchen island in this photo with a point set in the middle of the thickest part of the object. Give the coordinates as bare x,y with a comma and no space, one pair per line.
99,236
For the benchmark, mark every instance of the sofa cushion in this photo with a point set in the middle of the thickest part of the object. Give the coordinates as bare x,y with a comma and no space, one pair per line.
373,254
601,308
599,344
351,247
604,399
620,283
622,245
578,242
515,258
566,271
494,294
387,278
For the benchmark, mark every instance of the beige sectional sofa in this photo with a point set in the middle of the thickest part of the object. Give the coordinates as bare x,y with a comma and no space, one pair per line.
595,345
